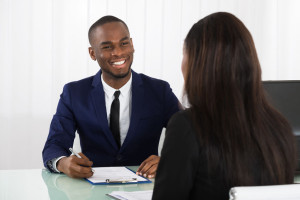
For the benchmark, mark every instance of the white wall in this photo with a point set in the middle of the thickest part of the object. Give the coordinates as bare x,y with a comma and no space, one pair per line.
43,45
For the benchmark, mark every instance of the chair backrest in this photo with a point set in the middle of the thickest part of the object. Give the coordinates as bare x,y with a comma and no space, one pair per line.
284,95
272,192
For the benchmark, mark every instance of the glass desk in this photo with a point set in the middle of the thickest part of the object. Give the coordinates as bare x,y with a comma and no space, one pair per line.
41,184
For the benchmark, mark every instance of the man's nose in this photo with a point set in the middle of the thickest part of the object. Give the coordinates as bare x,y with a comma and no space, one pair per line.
116,51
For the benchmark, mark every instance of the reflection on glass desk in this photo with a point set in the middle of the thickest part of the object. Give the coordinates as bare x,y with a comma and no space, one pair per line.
41,184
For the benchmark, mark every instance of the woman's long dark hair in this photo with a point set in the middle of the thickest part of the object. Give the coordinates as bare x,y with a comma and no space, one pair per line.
244,136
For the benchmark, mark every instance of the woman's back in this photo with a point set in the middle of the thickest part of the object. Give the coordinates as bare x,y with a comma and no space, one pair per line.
186,172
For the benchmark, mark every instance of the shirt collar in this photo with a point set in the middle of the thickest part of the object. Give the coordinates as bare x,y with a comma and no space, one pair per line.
109,91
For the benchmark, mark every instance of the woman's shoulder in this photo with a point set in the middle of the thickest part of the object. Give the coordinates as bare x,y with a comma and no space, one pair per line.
183,114
181,123
181,117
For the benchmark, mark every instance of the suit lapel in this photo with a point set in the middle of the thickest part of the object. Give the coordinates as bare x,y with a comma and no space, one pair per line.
136,106
99,105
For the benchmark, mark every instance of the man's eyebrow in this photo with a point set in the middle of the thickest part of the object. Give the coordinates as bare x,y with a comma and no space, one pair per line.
124,38
109,42
106,42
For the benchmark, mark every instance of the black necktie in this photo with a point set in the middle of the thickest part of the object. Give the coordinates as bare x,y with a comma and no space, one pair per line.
115,118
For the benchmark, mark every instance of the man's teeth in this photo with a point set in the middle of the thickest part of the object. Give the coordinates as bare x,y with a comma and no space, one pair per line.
119,62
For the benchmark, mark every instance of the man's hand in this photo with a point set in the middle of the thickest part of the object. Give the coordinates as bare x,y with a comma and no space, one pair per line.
76,167
148,167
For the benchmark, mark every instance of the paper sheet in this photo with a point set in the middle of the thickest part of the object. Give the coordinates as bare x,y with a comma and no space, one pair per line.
101,174
137,195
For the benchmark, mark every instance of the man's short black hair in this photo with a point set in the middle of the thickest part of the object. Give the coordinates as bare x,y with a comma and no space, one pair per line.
103,20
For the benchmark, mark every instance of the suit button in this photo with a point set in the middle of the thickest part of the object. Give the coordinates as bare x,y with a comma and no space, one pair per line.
119,157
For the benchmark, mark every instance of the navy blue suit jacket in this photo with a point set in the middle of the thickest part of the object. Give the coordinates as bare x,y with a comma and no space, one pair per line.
82,108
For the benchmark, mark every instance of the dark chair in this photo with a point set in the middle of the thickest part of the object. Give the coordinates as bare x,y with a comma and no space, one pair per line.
284,95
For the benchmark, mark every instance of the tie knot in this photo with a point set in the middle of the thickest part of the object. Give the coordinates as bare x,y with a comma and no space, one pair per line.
117,94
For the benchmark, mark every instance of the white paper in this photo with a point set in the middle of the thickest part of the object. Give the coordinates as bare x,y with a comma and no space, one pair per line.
137,195
274,192
101,174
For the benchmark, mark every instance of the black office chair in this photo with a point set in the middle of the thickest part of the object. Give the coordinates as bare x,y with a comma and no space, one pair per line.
284,95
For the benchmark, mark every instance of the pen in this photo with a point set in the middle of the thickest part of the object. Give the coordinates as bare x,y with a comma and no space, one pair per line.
133,180
75,153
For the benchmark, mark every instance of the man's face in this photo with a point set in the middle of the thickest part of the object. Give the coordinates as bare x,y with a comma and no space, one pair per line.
112,47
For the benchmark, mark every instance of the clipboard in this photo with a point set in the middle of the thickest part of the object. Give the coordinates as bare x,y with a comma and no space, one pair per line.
115,175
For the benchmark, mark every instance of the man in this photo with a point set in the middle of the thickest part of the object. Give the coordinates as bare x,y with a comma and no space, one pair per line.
118,114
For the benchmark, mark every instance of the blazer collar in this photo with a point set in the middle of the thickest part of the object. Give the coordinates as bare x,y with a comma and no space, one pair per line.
98,100
97,79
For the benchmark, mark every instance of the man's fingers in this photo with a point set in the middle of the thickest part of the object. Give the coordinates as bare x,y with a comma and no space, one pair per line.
138,171
77,167
84,161
145,162
83,156
149,164
152,171
82,172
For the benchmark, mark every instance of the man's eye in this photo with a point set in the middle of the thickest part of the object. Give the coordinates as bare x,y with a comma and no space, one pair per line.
105,47
125,43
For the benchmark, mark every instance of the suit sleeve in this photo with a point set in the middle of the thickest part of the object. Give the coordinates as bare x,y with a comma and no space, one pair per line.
171,104
62,130
179,161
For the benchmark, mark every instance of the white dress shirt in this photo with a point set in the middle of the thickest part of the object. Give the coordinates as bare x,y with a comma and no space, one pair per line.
125,105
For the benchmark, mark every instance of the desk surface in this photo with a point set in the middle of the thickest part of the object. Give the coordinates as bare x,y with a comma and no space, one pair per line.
41,184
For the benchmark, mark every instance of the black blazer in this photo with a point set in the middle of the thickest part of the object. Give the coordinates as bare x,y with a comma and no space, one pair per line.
182,171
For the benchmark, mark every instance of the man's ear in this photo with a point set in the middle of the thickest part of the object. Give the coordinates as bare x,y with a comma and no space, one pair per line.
92,53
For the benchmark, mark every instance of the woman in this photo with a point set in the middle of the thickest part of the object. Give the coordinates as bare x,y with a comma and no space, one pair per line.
230,135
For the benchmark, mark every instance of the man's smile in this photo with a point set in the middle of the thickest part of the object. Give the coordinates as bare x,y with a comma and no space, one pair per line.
118,64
